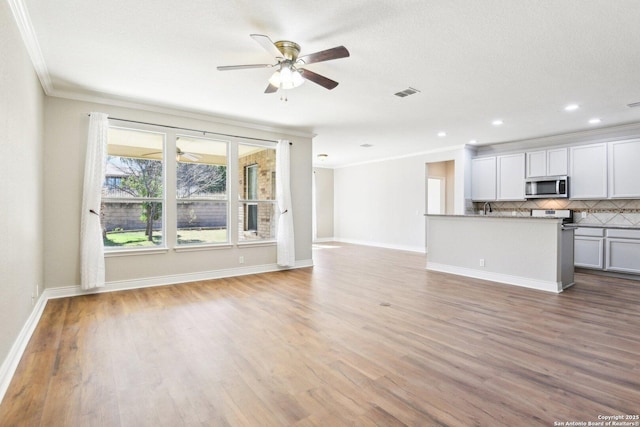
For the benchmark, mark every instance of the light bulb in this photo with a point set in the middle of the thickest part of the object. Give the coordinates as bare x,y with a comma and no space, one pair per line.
286,78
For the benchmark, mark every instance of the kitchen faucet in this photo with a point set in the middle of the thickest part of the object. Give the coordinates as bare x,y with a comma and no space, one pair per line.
485,206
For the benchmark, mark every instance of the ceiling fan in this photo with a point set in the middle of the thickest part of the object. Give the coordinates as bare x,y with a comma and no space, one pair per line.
181,156
289,74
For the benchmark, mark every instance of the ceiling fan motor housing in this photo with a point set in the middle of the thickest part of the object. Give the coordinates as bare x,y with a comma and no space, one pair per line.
290,50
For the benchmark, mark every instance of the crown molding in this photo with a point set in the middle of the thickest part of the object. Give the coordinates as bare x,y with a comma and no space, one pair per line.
110,100
583,136
453,148
23,21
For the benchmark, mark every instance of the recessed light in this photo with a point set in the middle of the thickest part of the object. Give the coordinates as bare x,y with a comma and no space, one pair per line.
441,134
595,121
473,141
571,107
497,122
322,157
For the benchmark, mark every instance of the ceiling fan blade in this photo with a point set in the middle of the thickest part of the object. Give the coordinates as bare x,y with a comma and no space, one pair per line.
190,156
325,55
267,44
243,67
152,154
271,89
318,79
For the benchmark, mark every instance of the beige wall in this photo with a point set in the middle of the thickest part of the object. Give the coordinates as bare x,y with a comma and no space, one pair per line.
66,125
324,202
21,105
383,203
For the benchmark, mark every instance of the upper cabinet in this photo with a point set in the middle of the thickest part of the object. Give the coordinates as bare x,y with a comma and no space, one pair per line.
552,162
606,170
510,177
483,179
624,169
588,172
557,164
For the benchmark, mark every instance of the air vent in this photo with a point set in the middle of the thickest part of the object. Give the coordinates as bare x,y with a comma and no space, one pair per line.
633,105
366,145
406,92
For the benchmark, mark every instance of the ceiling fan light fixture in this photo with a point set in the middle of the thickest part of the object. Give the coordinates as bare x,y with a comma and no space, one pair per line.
286,78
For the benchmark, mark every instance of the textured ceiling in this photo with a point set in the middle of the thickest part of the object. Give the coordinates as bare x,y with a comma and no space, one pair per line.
473,61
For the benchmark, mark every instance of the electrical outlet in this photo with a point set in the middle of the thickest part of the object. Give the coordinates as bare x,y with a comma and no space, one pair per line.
514,213
241,259
584,215
481,262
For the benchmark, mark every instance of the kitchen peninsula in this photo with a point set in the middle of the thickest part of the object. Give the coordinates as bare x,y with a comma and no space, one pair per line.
524,251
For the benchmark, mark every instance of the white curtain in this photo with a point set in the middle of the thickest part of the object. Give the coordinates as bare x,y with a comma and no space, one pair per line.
285,239
91,244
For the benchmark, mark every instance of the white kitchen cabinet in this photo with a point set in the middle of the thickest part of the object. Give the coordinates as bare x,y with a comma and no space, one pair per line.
483,179
624,169
552,162
623,251
588,172
536,164
557,162
589,248
510,177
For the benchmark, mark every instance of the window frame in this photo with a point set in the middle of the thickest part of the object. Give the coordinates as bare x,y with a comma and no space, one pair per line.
139,250
169,199
244,201
178,247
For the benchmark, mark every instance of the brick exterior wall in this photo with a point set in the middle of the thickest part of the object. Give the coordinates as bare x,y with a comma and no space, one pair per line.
265,160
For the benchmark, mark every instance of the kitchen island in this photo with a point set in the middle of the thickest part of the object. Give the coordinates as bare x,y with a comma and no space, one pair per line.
524,251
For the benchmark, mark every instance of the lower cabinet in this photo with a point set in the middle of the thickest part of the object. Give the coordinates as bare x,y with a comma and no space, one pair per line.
589,248
623,251
616,250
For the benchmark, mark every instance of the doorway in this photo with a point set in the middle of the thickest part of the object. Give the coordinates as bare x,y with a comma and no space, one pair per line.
440,178
435,195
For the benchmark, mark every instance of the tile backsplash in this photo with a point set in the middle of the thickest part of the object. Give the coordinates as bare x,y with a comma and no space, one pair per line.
599,212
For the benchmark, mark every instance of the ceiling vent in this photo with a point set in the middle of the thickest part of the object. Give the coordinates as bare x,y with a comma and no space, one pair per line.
366,145
633,105
406,92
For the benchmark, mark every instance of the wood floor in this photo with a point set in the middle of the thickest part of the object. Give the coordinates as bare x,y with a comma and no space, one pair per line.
366,337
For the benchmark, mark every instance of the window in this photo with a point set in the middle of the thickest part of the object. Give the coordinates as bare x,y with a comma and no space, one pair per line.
251,209
201,191
166,189
133,191
256,212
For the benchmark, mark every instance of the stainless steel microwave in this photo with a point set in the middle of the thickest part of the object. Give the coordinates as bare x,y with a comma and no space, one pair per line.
548,187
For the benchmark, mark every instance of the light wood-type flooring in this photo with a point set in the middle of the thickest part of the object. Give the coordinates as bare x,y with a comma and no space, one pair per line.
366,337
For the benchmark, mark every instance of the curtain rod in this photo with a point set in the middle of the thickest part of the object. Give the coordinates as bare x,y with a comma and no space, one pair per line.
193,130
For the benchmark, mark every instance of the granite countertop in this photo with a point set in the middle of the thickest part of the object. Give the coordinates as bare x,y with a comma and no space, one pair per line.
567,225
618,226
495,217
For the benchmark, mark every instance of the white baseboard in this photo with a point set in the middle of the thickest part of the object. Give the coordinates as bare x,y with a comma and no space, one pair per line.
173,279
8,367
419,249
324,239
10,364
525,282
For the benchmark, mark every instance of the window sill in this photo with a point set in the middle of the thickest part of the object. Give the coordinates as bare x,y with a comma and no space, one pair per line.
133,252
205,247
257,243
